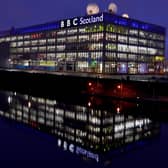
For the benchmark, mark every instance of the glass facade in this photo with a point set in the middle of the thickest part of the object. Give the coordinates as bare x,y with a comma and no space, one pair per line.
105,47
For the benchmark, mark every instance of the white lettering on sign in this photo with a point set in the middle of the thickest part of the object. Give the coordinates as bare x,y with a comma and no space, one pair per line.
81,21
75,21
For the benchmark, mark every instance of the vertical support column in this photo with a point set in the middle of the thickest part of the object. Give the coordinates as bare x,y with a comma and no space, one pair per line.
104,49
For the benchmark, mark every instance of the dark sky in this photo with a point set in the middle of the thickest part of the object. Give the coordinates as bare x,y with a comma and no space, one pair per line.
20,13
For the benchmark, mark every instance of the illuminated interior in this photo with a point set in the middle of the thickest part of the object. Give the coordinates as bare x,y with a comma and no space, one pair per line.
114,45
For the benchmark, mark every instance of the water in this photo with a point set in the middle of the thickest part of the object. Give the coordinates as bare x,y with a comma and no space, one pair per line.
81,131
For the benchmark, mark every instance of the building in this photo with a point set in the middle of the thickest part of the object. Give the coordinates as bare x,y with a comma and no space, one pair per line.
101,43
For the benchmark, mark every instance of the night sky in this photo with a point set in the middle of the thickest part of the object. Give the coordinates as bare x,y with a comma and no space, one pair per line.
19,13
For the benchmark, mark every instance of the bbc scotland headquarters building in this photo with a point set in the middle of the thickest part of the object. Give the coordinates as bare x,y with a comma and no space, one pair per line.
103,43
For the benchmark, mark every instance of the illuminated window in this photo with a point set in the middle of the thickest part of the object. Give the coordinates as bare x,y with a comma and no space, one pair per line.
122,39
26,50
60,57
13,44
13,38
20,43
34,42
71,56
122,56
26,43
111,46
51,41
42,48
133,32
132,49
60,47
142,50
123,48
132,57
97,37
61,40
20,38
82,30
72,31
34,49
152,51
27,37
142,42
72,39
51,48
42,42
19,50
8,39
61,32
111,37
110,56
83,38
133,40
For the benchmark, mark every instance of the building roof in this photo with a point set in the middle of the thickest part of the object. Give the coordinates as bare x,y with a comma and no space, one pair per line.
86,20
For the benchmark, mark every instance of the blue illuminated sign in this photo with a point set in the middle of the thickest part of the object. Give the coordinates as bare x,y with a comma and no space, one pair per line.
82,21
86,20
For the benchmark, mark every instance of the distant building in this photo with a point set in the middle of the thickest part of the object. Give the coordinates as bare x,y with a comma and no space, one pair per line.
101,43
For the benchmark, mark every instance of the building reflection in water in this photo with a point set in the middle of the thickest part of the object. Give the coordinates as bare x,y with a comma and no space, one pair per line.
86,130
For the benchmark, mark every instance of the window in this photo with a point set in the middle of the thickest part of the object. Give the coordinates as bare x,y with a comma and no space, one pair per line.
152,51
51,41
83,38
26,50
51,56
111,37
26,37
72,39
111,46
60,47
97,36
61,40
143,50
13,44
34,42
42,49
51,48
122,48
71,56
133,32
19,50
122,39
82,30
83,56
133,40
61,32
42,42
142,42
133,49
26,43
34,49
13,38
111,28
132,57
20,43
72,31
96,46
20,38
122,56
60,57
110,55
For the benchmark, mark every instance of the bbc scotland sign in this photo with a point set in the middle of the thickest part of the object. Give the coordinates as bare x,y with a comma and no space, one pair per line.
81,21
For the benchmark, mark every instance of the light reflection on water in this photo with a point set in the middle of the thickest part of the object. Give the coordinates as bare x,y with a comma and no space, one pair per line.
93,128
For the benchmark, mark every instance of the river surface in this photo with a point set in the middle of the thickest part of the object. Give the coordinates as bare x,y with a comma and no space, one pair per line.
81,131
